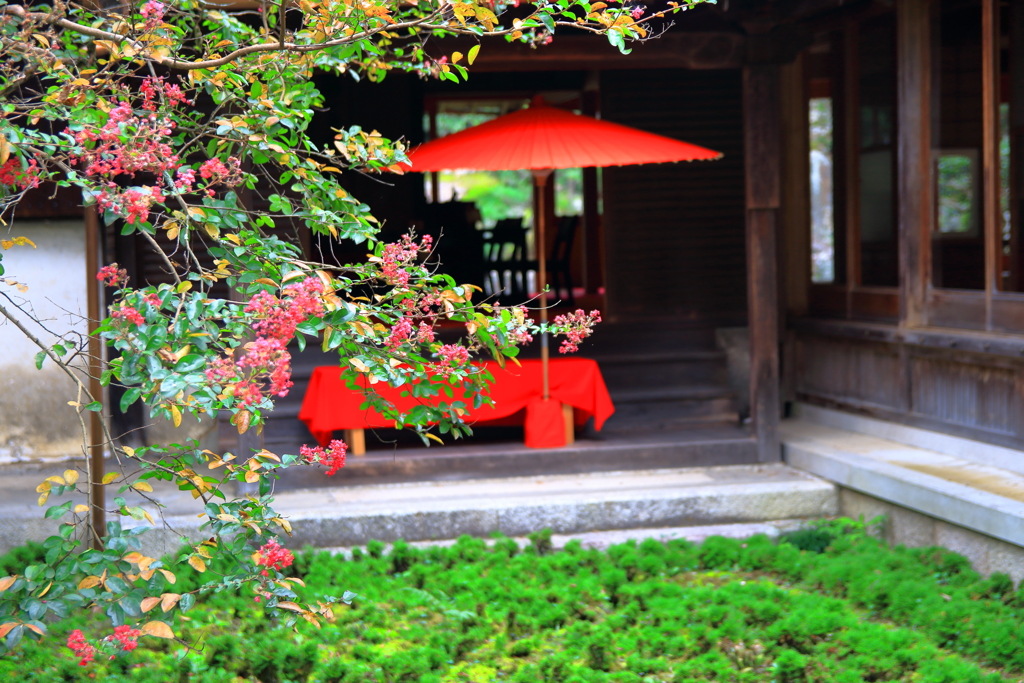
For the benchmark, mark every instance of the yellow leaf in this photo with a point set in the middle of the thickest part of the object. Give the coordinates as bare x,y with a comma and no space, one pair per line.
224,517
89,582
157,629
79,509
129,451
204,551
171,578
35,629
197,563
109,477
255,527
148,517
168,601
43,488
42,498
359,365
5,154
434,437
150,603
241,420
291,606
211,230
268,455
133,557
284,523
266,281
183,287
473,52
6,582
143,486
59,481
196,211
250,477
176,416
71,476
456,57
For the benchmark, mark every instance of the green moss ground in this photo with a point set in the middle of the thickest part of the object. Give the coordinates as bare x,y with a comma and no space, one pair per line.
830,604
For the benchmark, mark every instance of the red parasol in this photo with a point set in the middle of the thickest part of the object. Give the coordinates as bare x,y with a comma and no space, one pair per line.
542,138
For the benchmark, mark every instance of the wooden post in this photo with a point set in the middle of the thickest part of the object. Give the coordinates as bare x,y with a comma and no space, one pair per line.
593,257
97,492
356,440
570,427
762,141
991,228
914,156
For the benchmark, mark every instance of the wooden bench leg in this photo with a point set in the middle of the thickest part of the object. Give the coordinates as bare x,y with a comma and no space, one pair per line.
570,433
356,440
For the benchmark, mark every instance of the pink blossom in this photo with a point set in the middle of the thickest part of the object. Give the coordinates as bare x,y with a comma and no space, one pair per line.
82,649
637,12
128,314
399,334
576,327
112,276
12,173
333,457
452,357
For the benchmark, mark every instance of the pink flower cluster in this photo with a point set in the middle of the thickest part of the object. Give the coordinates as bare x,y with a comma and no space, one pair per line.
127,144
637,12
398,255
125,638
81,647
11,173
215,171
154,86
153,13
133,203
576,327
452,357
128,314
267,355
112,276
333,457
272,556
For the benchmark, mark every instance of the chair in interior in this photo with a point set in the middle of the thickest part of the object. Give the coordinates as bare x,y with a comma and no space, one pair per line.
560,262
507,270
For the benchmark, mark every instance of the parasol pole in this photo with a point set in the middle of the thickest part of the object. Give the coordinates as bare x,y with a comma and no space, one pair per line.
540,180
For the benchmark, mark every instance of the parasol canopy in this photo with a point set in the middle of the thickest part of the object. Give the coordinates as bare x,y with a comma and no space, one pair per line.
545,137
541,138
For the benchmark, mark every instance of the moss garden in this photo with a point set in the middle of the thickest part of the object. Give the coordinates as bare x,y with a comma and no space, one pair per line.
829,603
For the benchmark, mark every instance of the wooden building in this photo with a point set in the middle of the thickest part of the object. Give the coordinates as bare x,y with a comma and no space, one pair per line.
864,225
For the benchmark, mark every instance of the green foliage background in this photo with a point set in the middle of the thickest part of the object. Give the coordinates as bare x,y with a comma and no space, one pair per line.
827,604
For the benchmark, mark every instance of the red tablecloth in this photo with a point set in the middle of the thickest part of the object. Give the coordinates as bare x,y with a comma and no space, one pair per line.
329,404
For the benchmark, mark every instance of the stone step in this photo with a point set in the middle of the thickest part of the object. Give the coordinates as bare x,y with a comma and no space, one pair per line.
566,504
957,481
602,540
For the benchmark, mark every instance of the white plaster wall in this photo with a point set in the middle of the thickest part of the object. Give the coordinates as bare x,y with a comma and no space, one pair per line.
35,421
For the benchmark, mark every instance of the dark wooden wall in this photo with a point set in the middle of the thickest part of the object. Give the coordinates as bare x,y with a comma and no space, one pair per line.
674,233
935,379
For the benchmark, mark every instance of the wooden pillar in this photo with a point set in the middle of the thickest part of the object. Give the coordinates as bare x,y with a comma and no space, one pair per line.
992,228
97,491
914,156
761,148
593,255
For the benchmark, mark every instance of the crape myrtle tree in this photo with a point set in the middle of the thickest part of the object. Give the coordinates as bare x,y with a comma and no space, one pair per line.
167,116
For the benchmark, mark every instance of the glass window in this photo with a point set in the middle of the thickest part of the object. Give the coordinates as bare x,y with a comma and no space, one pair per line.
958,245
877,138
823,265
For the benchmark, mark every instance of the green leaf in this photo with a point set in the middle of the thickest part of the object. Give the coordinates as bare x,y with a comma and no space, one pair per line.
41,356
130,397
58,511
95,406
186,602
117,584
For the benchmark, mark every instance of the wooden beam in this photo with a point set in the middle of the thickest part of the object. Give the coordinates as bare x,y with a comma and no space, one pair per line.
762,138
914,156
585,53
795,212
